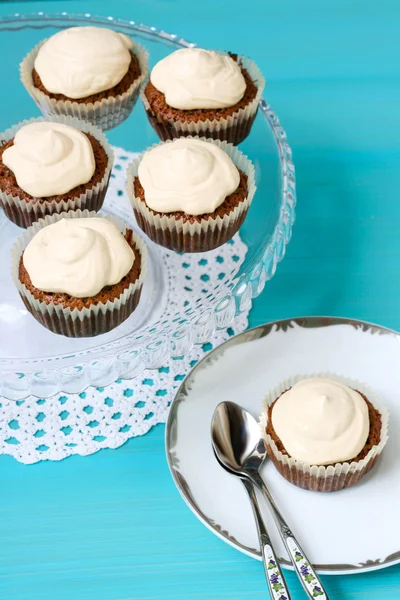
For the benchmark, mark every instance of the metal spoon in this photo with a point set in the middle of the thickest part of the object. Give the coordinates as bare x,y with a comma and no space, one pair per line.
228,452
240,449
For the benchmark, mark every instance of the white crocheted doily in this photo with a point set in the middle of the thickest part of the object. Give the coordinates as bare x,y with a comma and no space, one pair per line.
35,429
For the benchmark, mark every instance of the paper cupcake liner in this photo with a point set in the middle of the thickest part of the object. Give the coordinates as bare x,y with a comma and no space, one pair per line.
322,478
106,113
25,212
85,322
174,233
233,129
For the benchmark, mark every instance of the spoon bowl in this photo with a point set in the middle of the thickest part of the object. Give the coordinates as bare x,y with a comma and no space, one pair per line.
240,449
237,440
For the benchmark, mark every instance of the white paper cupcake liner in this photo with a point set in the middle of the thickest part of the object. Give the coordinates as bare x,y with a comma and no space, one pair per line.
322,478
175,233
25,212
85,322
233,129
106,113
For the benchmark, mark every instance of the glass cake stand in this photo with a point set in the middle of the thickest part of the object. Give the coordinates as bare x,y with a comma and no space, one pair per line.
36,361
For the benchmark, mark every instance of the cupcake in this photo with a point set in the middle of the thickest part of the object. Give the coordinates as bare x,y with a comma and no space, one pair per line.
91,73
190,194
205,93
51,166
323,433
79,274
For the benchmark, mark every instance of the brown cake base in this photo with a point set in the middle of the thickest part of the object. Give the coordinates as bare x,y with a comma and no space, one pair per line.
234,134
166,120
31,209
121,87
327,482
61,322
206,239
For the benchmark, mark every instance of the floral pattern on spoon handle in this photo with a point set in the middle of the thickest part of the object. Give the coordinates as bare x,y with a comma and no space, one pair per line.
305,571
309,579
276,584
273,573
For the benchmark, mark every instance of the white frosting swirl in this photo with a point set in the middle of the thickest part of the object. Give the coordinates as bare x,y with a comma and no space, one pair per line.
50,159
187,175
82,61
321,422
195,78
78,257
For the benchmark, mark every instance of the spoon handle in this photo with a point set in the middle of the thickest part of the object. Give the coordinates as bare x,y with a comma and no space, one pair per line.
308,577
275,579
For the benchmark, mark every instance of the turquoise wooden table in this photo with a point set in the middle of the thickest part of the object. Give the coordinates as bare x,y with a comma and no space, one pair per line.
112,526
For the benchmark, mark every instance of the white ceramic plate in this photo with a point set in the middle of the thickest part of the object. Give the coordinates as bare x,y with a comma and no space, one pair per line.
354,530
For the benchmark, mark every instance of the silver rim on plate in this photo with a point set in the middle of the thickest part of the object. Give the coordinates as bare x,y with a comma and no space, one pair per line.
182,393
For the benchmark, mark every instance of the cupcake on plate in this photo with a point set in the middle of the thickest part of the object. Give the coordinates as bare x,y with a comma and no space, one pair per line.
205,93
324,433
51,166
191,194
92,73
79,274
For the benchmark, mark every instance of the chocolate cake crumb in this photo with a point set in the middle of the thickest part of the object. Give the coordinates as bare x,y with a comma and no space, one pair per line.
9,185
111,292
374,436
132,74
160,107
228,205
